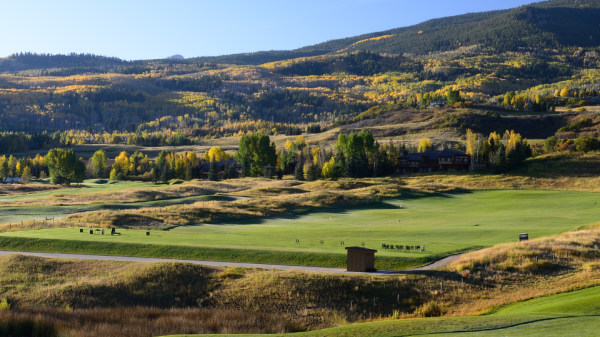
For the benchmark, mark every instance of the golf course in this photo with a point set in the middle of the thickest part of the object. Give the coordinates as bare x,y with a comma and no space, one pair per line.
441,222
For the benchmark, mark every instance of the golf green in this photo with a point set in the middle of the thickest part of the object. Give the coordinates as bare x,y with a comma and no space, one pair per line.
440,222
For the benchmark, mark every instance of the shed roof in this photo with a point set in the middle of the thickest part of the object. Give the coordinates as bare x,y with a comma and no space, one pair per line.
360,249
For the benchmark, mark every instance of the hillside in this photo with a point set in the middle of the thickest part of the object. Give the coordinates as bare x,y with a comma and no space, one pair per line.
514,60
551,24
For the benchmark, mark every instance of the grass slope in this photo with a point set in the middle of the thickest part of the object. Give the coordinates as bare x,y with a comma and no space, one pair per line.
571,314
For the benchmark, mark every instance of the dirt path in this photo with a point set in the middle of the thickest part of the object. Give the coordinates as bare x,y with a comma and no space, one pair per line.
432,266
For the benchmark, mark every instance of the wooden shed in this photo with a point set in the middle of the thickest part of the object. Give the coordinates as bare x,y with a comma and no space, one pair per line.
360,259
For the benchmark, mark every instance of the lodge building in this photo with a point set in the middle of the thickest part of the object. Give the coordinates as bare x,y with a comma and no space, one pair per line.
433,161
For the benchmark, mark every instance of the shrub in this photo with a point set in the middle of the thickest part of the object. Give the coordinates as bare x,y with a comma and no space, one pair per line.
550,143
583,103
466,267
575,127
581,110
4,305
567,145
593,266
586,144
431,309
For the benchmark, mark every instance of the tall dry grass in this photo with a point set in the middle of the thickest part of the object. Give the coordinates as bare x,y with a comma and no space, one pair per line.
138,322
513,272
13,189
573,250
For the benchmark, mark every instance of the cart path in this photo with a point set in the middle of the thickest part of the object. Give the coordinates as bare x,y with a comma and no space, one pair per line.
438,264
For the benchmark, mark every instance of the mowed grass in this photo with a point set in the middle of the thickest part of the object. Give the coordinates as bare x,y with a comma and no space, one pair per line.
441,222
570,314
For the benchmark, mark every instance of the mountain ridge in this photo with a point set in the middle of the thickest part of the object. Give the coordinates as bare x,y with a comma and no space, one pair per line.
554,24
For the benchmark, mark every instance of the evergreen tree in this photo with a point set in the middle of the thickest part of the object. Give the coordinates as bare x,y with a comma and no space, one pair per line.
232,174
4,170
309,172
299,172
500,164
316,172
213,171
155,175
188,172
165,174
350,169
226,171
245,163
267,172
363,166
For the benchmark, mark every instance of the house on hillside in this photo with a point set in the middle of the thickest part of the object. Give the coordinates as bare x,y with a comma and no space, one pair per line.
437,104
204,169
433,161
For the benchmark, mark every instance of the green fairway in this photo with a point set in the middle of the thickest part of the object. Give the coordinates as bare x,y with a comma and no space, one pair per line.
571,314
441,222
581,302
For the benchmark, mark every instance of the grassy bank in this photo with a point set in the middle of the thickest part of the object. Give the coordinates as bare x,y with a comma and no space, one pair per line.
573,313
210,254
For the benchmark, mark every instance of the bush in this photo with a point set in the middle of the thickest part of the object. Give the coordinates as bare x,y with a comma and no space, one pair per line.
567,145
575,127
586,144
550,143
431,309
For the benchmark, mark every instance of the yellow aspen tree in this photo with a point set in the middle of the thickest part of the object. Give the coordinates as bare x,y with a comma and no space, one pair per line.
424,145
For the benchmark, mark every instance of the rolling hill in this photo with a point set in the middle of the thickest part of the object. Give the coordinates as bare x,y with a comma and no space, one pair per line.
526,51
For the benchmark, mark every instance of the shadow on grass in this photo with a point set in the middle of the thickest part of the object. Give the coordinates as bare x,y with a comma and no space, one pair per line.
296,213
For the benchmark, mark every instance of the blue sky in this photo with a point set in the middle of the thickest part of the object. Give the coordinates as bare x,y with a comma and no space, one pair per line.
132,29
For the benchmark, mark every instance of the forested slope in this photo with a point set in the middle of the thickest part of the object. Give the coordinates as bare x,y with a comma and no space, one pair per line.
529,58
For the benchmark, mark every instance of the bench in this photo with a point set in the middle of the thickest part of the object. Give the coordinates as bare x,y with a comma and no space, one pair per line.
114,232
